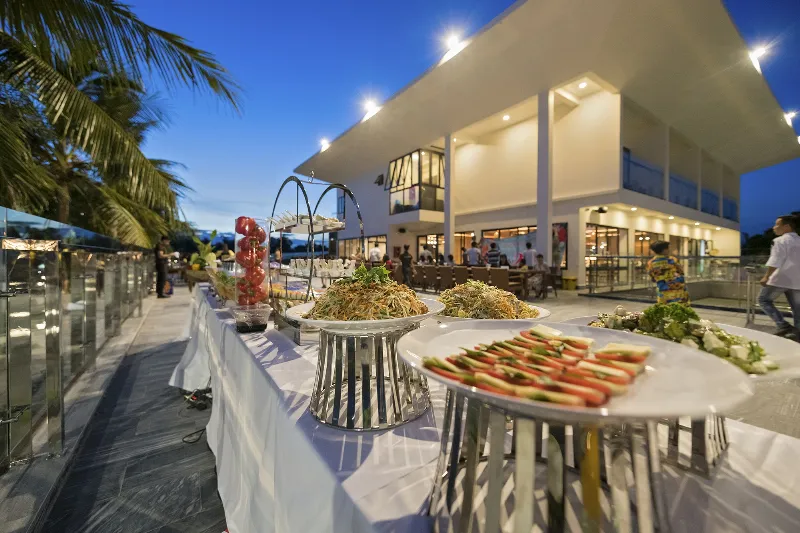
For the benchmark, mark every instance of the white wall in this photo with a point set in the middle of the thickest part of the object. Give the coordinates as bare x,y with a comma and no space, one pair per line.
374,203
501,170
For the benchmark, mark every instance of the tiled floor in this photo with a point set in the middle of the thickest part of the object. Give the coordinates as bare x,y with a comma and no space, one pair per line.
134,474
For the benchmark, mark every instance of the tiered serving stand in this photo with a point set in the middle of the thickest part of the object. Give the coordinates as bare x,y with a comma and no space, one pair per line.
510,465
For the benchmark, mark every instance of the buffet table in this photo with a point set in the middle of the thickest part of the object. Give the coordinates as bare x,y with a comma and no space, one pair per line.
281,471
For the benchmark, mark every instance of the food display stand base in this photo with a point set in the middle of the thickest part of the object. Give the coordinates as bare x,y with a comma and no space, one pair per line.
709,443
300,334
594,478
361,384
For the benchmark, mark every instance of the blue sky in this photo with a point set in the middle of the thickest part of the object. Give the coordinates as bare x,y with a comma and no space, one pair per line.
305,68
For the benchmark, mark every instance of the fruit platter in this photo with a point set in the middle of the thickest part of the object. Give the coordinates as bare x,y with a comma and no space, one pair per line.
574,373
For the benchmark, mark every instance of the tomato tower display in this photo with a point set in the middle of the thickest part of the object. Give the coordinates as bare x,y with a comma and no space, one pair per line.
251,256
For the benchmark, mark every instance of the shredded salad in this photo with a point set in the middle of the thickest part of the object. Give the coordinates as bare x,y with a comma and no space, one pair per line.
475,299
367,295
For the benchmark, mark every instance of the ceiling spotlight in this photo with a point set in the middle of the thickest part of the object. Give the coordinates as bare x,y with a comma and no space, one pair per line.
455,140
696,223
789,116
755,54
324,144
671,217
582,85
634,208
371,107
506,117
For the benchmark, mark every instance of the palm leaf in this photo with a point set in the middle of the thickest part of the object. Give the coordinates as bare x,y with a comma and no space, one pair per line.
24,185
125,42
87,125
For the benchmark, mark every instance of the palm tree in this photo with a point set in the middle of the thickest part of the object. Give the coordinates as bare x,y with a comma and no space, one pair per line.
46,47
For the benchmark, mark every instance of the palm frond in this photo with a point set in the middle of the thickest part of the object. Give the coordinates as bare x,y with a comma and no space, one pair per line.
24,185
87,125
125,42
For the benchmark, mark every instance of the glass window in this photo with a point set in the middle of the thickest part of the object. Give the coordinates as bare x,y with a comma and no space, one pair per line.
641,176
709,202
340,201
415,182
512,242
642,240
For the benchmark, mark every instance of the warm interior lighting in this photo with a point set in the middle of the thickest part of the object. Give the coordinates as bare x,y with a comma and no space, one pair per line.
324,144
582,85
718,228
671,217
789,116
454,139
755,54
506,117
696,223
634,208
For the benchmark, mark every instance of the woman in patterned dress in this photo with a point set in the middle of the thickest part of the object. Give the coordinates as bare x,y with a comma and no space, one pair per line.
667,273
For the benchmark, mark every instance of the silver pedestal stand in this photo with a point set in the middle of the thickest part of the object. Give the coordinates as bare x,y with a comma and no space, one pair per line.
493,466
361,384
709,442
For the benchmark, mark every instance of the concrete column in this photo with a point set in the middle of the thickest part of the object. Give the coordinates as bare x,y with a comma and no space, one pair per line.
544,177
699,179
666,163
449,212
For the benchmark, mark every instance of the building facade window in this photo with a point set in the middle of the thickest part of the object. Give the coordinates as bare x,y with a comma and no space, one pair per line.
642,241
607,259
340,202
435,243
512,242
348,248
416,181
640,176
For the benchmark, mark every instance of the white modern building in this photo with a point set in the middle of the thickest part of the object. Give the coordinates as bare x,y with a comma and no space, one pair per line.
615,123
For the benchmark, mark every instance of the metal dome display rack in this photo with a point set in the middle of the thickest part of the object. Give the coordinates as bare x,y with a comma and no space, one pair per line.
303,335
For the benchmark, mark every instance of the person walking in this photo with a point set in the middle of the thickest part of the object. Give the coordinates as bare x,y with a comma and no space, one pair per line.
667,273
162,260
493,255
406,260
783,276
375,254
473,255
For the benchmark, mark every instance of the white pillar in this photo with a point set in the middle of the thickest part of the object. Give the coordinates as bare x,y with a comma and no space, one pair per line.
544,178
449,213
666,163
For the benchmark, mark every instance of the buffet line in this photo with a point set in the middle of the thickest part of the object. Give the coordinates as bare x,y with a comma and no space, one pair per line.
592,407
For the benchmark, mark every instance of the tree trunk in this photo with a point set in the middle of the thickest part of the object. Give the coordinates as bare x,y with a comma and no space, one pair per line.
63,205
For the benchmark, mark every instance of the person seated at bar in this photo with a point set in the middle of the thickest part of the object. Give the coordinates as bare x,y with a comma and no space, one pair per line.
503,262
440,259
450,261
667,273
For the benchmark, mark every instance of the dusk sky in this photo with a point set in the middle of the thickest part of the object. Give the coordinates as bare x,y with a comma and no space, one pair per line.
306,67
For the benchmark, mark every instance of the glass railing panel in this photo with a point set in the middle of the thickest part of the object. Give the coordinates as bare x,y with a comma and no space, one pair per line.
642,177
730,209
710,202
682,191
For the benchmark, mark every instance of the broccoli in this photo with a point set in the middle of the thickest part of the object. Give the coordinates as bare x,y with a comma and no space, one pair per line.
653,317
674,329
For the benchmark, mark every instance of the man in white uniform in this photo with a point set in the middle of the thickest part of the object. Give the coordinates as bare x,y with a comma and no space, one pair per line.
783,276
375,254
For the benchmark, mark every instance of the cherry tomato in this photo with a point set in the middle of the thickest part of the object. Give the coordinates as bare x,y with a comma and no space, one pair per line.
243,285
244,225
243,300
261,252
255,275
257,232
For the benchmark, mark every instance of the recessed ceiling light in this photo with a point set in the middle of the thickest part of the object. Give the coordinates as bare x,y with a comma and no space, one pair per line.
671,217
582,85
454,139
755,54
696,223
506,117
423,153
634,208
452,41
324,144
718,228
789,116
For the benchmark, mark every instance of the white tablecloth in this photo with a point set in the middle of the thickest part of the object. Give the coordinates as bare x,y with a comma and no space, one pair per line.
280,471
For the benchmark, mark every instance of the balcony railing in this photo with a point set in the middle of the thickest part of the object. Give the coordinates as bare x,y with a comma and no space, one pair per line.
709,202
641,176
682,191
730,209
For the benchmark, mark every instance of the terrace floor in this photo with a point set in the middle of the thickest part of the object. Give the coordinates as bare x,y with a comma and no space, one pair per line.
135,475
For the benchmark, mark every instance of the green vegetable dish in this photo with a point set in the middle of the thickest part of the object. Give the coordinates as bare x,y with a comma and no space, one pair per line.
679,323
